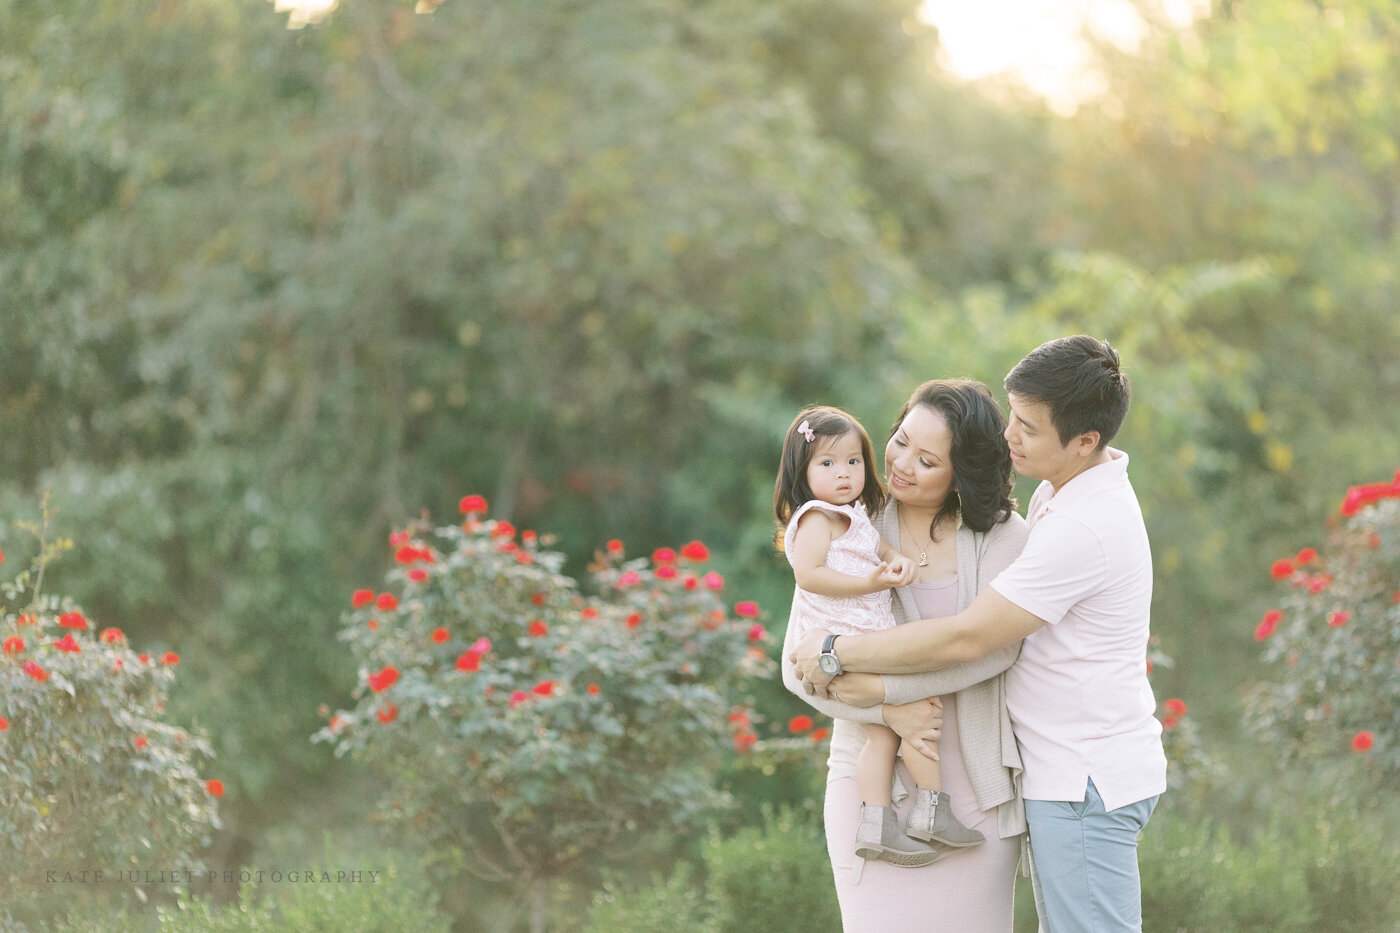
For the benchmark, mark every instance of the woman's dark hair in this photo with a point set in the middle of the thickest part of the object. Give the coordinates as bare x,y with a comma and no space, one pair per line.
1079,379
981,459
790,490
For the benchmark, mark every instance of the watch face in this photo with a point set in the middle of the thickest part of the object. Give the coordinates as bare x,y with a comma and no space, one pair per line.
829,664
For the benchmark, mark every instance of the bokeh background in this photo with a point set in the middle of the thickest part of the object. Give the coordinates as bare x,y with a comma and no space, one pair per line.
268,294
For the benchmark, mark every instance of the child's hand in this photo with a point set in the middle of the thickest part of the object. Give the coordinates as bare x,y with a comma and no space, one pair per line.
904,568
884,577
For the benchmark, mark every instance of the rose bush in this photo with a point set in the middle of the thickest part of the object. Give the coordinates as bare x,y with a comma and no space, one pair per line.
92,777
530,729
1333,640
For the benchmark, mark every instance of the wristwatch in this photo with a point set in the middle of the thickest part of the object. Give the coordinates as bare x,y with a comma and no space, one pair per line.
827,660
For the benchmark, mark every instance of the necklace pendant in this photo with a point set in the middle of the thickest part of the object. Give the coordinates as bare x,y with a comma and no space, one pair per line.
923,559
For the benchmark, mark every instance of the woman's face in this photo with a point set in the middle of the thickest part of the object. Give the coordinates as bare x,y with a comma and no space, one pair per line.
919,459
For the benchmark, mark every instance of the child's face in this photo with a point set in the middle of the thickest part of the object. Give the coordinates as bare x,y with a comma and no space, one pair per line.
836,472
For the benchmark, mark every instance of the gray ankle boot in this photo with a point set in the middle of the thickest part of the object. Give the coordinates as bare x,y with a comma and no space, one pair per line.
878,837
932,819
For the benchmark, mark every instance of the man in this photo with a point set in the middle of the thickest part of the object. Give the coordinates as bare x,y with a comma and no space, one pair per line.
1079,594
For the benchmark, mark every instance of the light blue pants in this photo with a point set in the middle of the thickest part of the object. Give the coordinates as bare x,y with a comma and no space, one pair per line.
1084,868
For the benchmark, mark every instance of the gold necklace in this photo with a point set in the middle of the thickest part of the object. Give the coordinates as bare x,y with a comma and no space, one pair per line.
923,555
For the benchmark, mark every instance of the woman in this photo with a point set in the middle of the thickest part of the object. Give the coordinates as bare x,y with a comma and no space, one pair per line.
950,512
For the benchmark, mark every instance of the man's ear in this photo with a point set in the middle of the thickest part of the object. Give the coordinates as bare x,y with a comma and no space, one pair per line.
1086,443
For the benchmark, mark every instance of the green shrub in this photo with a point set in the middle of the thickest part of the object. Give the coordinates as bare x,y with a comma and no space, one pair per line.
773,878
526,732
92,777
674,903
1330,645
1195,879
400,900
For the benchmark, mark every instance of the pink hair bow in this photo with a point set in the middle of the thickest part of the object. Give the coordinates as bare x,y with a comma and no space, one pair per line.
806,431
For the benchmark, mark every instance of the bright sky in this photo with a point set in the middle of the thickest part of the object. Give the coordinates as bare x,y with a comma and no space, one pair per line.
1038,40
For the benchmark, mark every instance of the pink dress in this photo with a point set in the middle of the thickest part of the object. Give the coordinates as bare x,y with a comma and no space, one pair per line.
966,891
855,553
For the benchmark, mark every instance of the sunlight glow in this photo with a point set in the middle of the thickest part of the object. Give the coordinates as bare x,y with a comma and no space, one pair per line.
1040,42
305,12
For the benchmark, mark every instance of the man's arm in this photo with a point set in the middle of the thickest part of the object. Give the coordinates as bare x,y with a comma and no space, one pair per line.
992,621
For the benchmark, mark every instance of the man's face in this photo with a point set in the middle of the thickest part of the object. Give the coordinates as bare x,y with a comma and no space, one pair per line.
1036,451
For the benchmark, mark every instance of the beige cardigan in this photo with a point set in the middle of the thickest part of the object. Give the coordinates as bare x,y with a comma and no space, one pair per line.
987,742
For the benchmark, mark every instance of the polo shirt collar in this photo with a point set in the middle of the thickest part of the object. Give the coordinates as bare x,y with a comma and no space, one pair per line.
1090,482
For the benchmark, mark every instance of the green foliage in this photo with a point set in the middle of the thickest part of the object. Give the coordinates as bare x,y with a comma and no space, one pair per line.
1333,647
532,730
774,877
92,776
399,899
677,902
396,900
1315,865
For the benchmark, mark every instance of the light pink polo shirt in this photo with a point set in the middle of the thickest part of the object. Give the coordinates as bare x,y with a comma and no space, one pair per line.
1078,696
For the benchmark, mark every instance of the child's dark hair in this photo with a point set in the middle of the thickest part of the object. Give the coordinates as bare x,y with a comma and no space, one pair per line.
790,490
1078,378
981,492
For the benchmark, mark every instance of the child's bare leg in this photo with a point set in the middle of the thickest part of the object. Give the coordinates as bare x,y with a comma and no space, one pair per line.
927,773
875,766
878,834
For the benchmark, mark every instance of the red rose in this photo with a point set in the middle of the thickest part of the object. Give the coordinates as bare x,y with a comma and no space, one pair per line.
383,680
748,610
139,741
538,629
1175,707
757,632
1363,741
387,714
589,612
4,724
387,601
666,572
418,574
819,734
614,546
629,578
1263,630
663,555
471,504
634,620
1339,618
799,723
537,599
73,620
469,661
113,636
593,690
35,671
361,597
744,741
170,658
66,643
1306,556
397,538
544,688
517,697
695,551
440,635
713,581
14,645
215,787
1281,569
